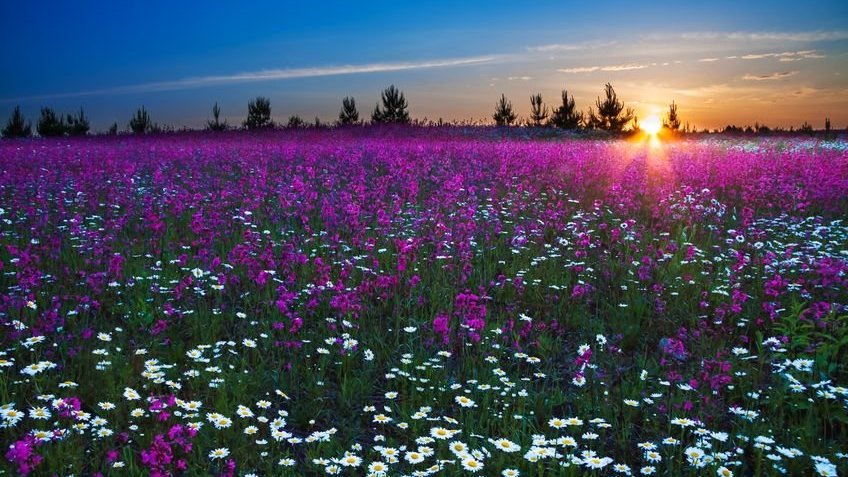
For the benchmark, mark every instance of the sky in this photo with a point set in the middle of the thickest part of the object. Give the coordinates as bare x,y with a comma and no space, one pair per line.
723,62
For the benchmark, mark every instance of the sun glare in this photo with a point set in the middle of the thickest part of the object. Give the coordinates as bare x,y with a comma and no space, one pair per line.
651,125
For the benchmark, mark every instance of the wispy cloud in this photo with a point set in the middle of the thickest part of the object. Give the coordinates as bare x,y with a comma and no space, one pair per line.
272,75
708,60
555,47
769,77
589,69
798,37
785,56
519,78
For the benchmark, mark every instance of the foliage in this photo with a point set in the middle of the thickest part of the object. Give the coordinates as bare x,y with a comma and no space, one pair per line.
77,125
672,120
538,110
394,109
322,302
348,114
140,123
611,115
16,126
258,114
295,122
566,115
504,114
215,124
50,124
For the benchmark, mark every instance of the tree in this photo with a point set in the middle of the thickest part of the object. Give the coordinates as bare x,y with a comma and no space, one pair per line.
259,114
565,116
612,115
50,124
394,108
16,126
827,127
140,123
77,125
348,114
504,114
296,122
113,130
538,110
672,120
215,124
806,128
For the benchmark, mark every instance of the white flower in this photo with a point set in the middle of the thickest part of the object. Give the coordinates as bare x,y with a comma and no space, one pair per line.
131,394
219,453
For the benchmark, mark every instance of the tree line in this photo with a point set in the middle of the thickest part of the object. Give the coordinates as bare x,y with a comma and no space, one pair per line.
607,114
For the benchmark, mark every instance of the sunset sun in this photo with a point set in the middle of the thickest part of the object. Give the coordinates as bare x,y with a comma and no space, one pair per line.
651,125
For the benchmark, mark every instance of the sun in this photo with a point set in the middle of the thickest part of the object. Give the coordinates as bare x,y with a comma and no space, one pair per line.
651,125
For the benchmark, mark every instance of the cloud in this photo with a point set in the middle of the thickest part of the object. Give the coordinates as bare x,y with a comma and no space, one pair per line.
799,37
785,56
708,60
571,46
272,75
613,68
769,77
517,78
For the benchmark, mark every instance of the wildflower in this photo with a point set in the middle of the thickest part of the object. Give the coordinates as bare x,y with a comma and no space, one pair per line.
472,465
219,453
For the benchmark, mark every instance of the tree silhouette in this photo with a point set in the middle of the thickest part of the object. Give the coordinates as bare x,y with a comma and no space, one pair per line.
77,125
258,114
215,124
611,113
348,114
50,124
672,120
16,126
565,116
394,108
538,110
504,114
296,122
140,123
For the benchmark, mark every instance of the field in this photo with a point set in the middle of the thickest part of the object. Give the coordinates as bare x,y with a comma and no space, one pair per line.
423,302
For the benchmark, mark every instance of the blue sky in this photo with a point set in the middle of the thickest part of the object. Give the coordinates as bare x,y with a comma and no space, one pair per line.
723,62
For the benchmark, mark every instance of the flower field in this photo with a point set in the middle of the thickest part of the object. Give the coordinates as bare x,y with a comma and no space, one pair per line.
411,303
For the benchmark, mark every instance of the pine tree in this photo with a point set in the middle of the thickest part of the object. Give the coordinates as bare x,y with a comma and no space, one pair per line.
504,114
672,120
295,122
565,116
16,126
140,123
50,124
215,124
538,110
348,114
394,108
77,125
258,114
612,116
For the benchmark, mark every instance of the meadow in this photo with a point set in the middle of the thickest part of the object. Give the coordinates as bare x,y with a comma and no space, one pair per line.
416,302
